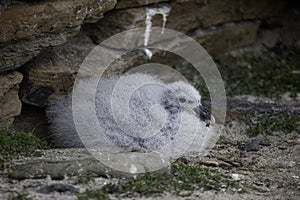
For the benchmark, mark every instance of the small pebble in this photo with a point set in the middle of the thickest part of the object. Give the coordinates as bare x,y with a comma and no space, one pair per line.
243,154
253,145
235,177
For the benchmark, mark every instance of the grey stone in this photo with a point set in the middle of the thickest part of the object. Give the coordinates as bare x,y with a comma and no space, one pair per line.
57,187
115,162
10,104
252,145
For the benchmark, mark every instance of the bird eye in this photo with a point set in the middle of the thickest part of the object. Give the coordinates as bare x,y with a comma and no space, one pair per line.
182,99
190,102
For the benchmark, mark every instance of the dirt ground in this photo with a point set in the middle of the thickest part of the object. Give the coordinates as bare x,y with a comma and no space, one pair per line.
265,166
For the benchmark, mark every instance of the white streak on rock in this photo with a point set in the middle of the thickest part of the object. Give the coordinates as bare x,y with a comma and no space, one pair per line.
150,12
148,52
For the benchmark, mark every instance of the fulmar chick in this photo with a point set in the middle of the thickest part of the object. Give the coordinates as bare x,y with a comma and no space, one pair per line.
133,110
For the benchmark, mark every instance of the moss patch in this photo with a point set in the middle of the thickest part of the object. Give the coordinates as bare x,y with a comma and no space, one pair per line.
270,123
22,196
269,75
85,178
183,177
13,144
93,194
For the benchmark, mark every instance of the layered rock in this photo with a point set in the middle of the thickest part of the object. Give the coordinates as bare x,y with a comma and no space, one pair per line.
26,28
10,104
227,37
136,3
52,73
184,16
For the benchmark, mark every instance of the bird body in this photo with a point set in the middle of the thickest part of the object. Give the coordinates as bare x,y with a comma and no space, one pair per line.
135,110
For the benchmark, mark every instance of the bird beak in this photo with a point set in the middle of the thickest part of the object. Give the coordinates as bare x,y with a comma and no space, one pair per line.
204,115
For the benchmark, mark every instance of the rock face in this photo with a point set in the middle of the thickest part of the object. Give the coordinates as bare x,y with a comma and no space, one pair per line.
26,28
184,16
52,73
227,37
136,3
10,105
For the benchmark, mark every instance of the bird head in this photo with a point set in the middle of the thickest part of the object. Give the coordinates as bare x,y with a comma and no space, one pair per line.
189,100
